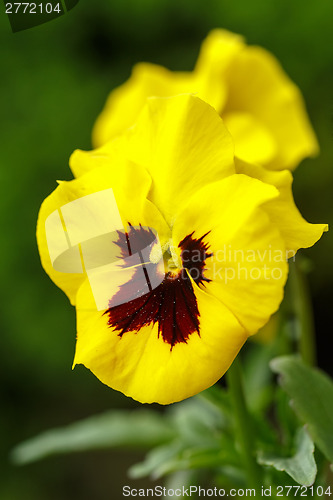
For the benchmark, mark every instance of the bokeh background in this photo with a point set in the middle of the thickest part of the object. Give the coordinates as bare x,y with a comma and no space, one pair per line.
54,80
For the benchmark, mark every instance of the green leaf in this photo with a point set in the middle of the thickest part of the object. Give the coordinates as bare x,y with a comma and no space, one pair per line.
202,441
155,460
138,429
219,398
197,421
173,457
302,466
230,476
201,458
183,480
311,391
284,414
257,378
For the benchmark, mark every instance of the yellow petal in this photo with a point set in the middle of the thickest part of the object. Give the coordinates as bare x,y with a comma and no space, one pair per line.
248,268
69,283
149,80
82,162
258,85
130,185
237,80
253,140
216,54
125,102
143,366
296,231
217,51
184,144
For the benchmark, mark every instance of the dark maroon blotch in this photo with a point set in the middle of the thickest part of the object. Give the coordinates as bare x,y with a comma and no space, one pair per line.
194,253
172,304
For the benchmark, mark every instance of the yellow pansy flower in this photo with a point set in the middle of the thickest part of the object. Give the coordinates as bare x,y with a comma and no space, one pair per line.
220,264
262,108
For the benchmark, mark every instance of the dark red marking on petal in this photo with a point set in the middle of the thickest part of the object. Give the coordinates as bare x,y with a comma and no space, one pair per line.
172,304
135,240
194,253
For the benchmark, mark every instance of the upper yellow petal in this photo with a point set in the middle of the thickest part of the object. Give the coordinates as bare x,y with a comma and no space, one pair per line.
253,140
238,81
216,54
258,85
126,102
183,144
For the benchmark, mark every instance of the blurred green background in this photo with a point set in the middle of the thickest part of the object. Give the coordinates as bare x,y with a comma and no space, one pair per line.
54,81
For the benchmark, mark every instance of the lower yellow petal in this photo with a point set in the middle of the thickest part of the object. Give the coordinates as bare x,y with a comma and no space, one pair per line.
143,366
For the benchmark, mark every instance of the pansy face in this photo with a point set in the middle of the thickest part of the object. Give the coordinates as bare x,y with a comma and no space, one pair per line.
172,303
215,267
261,107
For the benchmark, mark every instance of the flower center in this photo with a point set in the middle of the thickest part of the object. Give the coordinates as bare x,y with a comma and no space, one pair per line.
172,304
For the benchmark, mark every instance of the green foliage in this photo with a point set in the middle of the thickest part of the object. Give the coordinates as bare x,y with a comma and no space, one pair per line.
311,392
194,434
301,466
137,429
199,435
202,441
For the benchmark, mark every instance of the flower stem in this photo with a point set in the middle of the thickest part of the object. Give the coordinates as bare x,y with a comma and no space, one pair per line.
243,427
303,310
